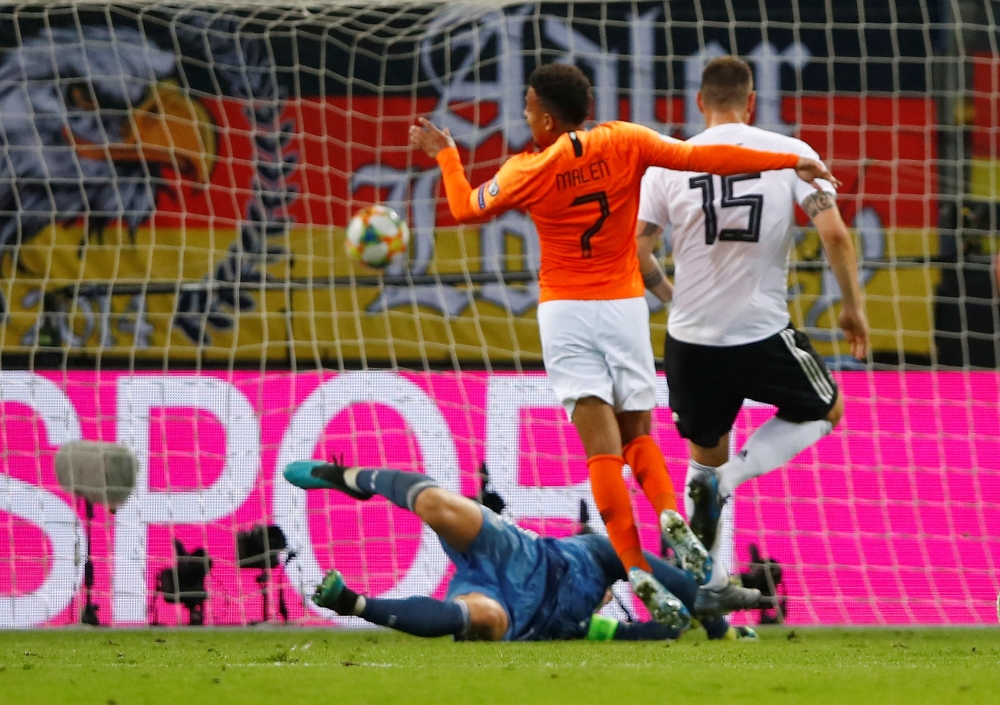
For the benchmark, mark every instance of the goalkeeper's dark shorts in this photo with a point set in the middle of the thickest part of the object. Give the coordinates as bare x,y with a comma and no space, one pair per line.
708,384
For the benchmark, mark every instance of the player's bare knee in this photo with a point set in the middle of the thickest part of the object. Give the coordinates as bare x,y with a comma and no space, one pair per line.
454,518
490,623
432,503
837,412
634,424
441,508
488,619
597,425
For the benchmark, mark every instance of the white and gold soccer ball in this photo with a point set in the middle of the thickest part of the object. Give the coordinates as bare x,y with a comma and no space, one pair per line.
377,236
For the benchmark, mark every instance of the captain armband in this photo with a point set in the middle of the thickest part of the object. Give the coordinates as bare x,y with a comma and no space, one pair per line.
601,628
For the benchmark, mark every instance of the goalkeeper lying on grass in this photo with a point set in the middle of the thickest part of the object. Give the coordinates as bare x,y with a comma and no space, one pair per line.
509,584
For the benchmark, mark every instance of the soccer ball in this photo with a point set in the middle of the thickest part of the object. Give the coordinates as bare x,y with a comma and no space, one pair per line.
377,236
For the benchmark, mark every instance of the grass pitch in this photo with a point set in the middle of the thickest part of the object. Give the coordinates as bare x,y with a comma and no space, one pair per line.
324,667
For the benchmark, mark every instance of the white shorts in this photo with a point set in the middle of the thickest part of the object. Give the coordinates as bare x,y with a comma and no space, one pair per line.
599,349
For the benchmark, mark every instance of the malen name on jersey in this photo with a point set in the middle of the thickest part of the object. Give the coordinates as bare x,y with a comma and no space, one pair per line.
583,174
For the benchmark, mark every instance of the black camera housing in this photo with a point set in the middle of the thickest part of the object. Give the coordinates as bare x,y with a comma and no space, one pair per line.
184,582
259,547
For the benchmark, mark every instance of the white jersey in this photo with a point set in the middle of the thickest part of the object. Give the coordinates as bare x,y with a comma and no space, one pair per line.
732,238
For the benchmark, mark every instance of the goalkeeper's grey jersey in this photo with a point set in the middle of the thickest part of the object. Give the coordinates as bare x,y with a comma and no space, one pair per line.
732,238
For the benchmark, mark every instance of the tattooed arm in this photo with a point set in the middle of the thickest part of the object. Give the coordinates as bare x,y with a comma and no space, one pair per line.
647,238
817,203
839,247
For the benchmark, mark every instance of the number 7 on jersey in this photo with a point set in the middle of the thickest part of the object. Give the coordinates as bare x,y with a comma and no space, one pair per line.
597,197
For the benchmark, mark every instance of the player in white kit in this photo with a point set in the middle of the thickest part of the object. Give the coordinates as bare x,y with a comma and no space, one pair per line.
729,335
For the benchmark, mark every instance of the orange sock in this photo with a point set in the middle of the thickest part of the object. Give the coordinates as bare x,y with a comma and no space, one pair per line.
650,469
611,496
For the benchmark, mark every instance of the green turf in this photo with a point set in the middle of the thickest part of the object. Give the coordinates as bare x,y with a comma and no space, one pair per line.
327,667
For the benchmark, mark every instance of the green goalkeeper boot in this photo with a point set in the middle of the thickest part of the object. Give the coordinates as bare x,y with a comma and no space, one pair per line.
331,593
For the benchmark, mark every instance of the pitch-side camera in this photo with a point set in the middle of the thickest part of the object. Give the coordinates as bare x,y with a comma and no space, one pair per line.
184,582
260,549
765,574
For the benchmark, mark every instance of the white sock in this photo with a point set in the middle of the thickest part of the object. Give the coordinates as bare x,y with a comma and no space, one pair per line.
693,469
351,478
771,446
720,576
359,606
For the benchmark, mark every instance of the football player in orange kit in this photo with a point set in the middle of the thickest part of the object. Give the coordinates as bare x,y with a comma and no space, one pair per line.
581,189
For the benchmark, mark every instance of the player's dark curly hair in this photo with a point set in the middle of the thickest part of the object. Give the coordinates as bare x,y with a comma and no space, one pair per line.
564,91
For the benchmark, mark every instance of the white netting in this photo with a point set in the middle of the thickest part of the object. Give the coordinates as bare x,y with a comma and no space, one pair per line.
174,184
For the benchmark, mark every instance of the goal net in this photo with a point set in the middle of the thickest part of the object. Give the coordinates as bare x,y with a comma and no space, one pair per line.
175,180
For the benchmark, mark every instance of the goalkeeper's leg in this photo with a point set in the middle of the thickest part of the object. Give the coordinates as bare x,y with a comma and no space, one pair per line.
468,616
455,519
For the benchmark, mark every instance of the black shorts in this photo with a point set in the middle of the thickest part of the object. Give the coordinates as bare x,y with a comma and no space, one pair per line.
708,384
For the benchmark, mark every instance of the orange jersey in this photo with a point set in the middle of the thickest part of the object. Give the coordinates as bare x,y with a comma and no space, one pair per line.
582,193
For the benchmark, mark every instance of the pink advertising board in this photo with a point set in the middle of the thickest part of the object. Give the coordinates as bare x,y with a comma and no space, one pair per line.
886,521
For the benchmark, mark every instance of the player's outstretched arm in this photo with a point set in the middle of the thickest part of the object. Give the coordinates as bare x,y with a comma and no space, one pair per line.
647,238
724,159
839,247
439,145
728,159
811,169
721,159
467,205
429,139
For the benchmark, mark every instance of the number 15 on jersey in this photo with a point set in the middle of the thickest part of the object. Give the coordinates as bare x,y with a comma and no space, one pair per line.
753,201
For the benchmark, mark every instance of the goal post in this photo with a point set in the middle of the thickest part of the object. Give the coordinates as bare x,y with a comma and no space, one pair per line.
175,180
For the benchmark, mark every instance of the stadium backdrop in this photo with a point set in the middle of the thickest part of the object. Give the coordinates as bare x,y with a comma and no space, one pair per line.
343,105
279,130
